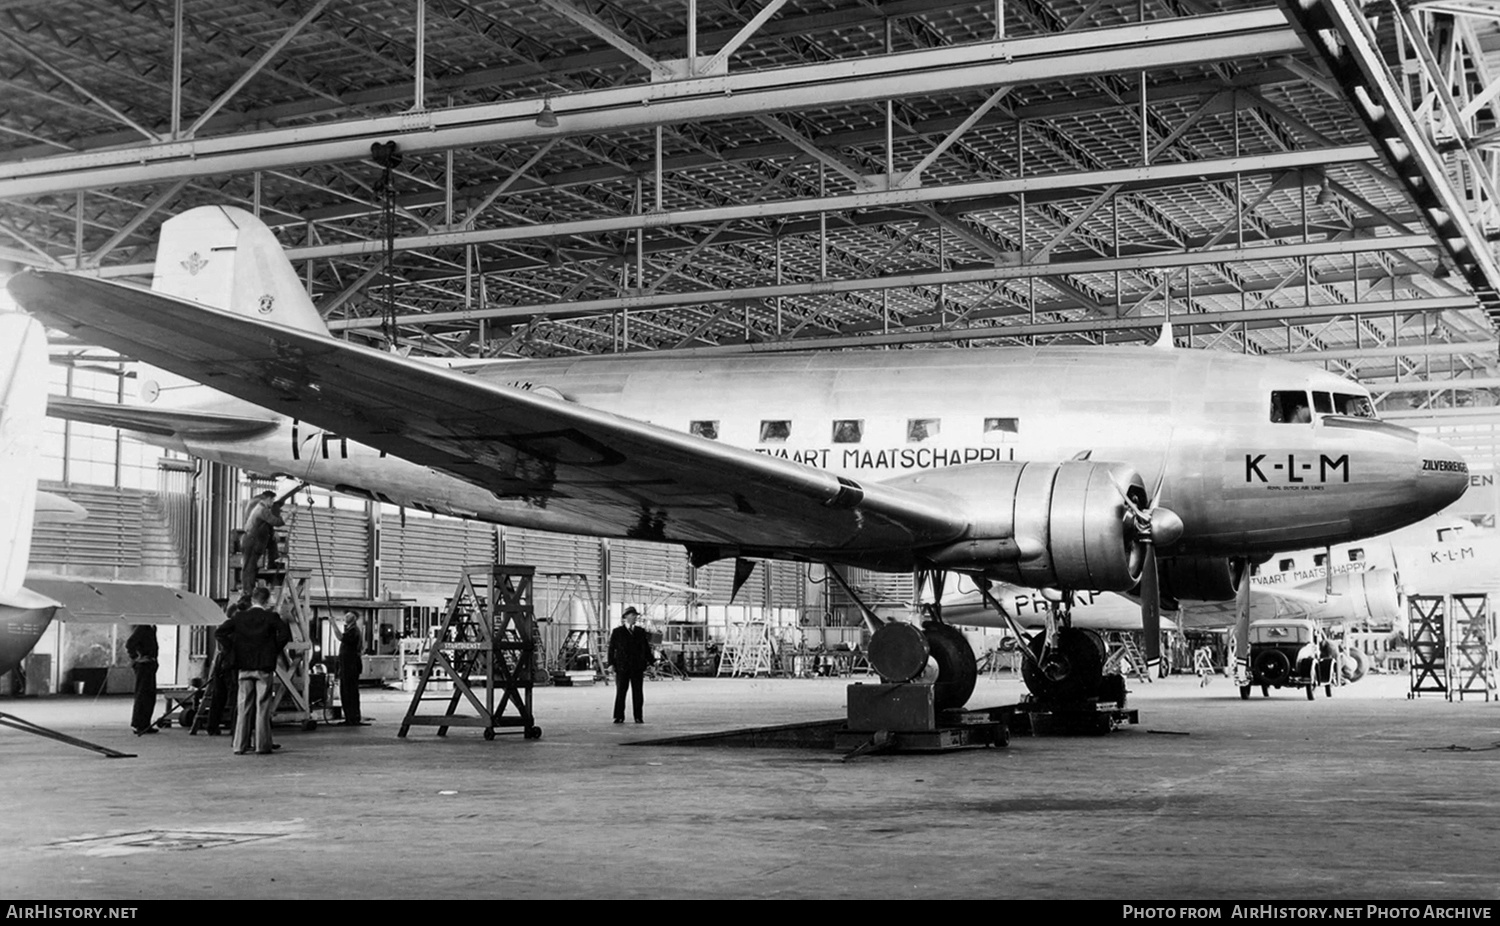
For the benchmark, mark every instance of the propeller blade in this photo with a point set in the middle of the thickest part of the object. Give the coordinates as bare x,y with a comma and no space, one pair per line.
1151,612
1242,624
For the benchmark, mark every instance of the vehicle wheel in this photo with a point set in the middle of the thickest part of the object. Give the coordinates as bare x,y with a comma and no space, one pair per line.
489,733
1311,690
533,733
1244,692
1273,667
1070,671
309,725
958,670
186,720
1327,691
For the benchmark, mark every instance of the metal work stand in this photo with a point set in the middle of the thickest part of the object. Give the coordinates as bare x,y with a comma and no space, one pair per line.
488,637
289,599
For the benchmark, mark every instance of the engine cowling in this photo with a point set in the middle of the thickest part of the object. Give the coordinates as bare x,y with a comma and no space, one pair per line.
1045,525
1197,578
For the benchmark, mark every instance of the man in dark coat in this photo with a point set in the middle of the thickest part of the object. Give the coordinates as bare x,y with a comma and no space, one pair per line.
255,637
142,649
629,655
351,645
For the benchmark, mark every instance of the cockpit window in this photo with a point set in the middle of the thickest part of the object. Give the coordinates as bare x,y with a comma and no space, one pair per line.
1355,406
708,429
1322,403
1289,407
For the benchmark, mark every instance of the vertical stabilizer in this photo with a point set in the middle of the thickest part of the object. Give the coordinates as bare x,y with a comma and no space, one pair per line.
23,406
226,258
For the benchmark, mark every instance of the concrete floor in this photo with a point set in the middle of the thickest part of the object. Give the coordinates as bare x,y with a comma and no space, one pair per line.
1365,796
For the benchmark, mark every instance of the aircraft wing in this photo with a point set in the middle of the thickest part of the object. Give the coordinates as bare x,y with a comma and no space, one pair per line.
614,474
88,602
164,421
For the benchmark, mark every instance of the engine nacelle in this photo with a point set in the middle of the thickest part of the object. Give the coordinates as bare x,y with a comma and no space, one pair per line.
1197,578
1044,525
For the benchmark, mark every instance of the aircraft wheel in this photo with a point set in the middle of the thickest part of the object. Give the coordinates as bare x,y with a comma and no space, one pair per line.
1355,665
1070,671
958,670
1244,692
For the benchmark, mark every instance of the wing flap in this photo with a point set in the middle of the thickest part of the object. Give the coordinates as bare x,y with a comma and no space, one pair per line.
622,476
165,422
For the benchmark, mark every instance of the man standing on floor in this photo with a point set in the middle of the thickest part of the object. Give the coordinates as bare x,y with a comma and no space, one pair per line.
256,637
629,654
142,649
351,644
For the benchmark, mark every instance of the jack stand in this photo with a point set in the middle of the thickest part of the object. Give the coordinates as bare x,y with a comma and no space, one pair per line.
900,717
1091,717
26,726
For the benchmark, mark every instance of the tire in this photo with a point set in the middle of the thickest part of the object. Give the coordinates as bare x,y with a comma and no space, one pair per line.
1327,691
186,718
1354,665
958,670
533,733
1311,690
1265,691
489,733
309,725
1072,671
1272,667
1244,692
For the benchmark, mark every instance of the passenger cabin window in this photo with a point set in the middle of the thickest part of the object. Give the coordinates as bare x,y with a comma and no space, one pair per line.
1323,403
848,431
1285,566
920,429
775,432
1356,555
1320,559
708,429
1001,430
1290,407
1354,406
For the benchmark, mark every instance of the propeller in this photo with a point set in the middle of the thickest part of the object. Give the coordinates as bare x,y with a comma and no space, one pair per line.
1154,527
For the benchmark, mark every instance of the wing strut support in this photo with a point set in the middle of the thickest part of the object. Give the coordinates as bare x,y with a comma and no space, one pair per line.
872,620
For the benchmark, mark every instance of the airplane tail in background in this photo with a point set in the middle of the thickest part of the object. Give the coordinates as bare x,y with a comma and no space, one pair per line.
23,405
226,258
23,402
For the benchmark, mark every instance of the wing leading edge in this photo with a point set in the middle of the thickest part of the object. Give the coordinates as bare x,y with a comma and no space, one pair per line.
625,477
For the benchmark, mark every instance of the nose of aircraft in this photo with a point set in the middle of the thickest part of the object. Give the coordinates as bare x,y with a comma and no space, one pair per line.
1443,475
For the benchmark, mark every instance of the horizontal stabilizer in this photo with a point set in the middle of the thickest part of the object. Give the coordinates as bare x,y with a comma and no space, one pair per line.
88,602
166,422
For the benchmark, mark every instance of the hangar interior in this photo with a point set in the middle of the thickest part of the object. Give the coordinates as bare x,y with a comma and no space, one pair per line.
551,178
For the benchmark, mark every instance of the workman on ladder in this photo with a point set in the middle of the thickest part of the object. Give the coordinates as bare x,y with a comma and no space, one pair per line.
259,538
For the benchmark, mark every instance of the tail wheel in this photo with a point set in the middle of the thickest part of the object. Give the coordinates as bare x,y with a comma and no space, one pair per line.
1272,667
1070,671
958,670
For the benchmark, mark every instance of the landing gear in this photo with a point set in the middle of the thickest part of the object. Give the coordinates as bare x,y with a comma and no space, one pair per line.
958,670
1070,670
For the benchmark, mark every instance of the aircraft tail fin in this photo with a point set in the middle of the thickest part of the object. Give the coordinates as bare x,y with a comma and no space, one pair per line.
227,258
23,406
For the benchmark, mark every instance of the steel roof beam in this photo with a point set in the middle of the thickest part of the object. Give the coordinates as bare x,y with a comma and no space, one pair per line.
1173,43
926,278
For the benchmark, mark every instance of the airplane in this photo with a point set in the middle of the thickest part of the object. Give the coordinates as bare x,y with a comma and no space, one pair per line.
1046,467
30,601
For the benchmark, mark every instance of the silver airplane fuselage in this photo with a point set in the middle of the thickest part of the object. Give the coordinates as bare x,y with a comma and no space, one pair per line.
1198,424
